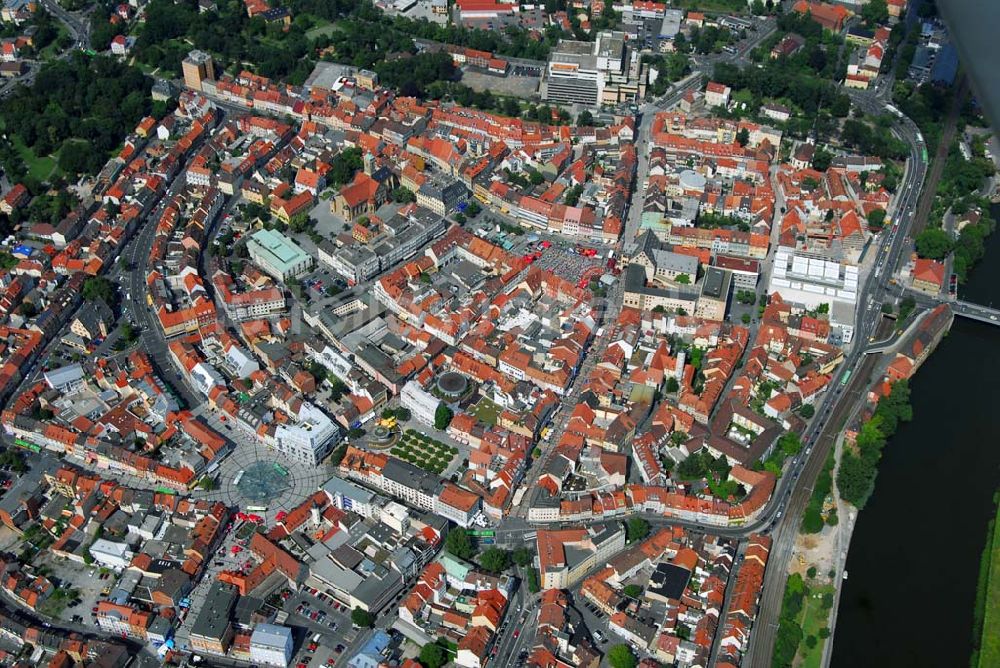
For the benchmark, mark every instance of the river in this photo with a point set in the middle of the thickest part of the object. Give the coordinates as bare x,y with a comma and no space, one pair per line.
914,555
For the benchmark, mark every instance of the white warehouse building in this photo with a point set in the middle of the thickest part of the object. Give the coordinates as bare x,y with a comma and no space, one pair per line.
807,280
111,554
271,645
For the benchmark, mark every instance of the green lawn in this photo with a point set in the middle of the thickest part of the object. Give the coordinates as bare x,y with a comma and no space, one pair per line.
326,29
486,411
720,6
39,167
52,49
989,650
814,617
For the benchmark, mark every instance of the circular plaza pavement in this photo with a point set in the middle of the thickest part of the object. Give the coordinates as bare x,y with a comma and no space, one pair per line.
269,480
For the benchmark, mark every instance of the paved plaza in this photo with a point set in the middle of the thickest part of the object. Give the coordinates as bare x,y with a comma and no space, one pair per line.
269,478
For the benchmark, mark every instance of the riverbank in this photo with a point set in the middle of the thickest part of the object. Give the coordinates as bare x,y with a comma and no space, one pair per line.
818,558
821,546
894,570
986,632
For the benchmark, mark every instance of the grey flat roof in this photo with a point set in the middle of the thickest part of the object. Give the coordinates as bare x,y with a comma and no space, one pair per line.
271,635
715,283
340,486
213,620
411,476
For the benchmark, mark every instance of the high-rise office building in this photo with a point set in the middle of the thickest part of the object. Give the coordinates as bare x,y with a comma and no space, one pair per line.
198,66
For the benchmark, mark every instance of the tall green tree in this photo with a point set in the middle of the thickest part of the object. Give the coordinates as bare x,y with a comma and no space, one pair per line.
933,243
495,560
621,656
875,12
98,287
432,655
443,416
362,618
636,529
459,544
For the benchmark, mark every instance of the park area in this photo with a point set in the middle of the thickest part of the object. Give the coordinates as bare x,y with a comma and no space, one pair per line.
423,451
803,627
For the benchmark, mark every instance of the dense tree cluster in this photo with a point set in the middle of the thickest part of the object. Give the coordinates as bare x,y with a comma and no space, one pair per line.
876,219
171,29
926,106
858,465
782,78
670,68
99,288
459,544
710,220
873,139
636,529
875,13
971,245
494,560
51,206
344,166
700,464
433,655
709,39
957,189
443,416
79,108
812,518
367,36
933,243
621,656
411,76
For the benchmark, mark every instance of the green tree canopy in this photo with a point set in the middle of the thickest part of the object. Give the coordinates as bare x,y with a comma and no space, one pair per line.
523,556
362,618
789,444
98,287
875,12
458,543
442,416
876,219
432,655
494,560
621,656
344,166
632,591
933,243
636,529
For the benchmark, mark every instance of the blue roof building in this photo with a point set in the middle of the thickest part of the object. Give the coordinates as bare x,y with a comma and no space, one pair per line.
945,65
370,655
